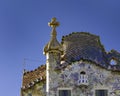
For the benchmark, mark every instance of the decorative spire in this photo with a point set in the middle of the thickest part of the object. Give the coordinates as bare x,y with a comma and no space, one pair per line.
53,44
53,24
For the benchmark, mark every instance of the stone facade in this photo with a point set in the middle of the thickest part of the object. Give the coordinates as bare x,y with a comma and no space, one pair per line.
78,66
97,78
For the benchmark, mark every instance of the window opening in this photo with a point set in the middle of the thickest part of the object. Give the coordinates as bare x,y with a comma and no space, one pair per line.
64,92
101,93
113,62
83,79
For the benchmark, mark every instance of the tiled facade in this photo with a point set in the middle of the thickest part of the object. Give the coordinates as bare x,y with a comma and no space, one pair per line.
78,66
97,78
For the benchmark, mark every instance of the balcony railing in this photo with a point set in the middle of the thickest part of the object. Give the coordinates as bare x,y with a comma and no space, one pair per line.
83,80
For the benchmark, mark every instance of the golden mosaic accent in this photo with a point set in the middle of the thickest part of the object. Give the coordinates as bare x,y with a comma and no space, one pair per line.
53,23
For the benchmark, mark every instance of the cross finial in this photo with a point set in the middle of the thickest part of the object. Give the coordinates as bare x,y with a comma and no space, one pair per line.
53,23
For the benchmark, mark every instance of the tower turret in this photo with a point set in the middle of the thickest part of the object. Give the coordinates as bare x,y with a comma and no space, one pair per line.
53,51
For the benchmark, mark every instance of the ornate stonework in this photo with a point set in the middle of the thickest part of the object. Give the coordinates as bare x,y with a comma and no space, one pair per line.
78,65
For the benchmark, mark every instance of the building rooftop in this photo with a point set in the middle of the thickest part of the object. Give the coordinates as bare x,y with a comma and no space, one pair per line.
34,76
77,46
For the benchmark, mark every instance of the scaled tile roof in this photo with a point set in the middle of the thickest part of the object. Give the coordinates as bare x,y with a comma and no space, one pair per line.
32,77
85,46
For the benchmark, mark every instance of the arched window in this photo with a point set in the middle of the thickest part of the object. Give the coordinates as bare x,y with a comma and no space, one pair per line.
82,73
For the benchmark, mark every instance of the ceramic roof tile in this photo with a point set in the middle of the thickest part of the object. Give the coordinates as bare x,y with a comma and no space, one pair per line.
31,77
82,45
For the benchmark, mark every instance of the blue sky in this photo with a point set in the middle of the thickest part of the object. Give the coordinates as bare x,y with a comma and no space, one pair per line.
24,31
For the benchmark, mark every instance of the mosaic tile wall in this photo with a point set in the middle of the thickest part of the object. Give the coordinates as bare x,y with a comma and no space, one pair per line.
98,78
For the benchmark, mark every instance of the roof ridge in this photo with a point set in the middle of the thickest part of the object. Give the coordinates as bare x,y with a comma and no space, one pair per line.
39,67
86,33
